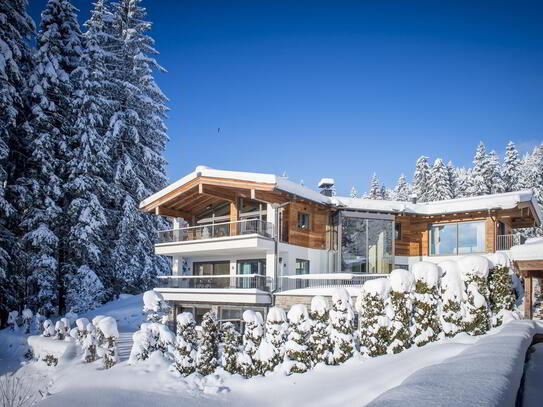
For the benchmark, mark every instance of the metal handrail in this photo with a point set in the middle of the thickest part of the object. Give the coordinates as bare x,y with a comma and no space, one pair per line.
505,242
214,276
223,281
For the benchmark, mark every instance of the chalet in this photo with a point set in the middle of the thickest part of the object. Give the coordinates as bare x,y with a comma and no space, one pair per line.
245,240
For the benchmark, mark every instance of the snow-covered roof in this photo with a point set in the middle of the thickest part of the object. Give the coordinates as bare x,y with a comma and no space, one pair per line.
326,181
508,200
531,250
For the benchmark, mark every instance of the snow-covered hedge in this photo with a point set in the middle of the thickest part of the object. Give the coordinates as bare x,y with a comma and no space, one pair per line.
50,350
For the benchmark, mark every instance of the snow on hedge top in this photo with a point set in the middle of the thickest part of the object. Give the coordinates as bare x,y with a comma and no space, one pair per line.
378,286
276,314
82,323
251,316
108,326
185,318
341,294
297,313
531,250
402,281
473,265
319,305
96,320
426,272
152,300
451,280
498,259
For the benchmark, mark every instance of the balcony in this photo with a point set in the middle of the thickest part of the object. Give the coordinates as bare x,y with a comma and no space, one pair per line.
217,230
227,281
505,242
330,280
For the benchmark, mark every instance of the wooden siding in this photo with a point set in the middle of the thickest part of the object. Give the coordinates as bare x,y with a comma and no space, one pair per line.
315,237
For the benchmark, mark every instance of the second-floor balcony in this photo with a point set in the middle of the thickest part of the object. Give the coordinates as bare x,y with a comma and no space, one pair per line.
505,242
217,230
255,281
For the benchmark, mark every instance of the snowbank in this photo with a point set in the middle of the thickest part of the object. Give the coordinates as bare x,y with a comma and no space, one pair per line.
42,346
486,374
473,265
402,281
531,250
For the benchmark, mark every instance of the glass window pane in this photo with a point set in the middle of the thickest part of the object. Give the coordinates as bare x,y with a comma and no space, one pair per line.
443,239
471,237
353,245
380,235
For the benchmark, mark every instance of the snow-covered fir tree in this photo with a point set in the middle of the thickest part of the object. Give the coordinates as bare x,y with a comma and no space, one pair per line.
374,325
463,177
298,351
494,180
108,326
27,317
426,303
137,134
155,307
402,190
421,179
319,339
500,291
354,192
341,327
57,55
89,344
532,178
231,339
453,179
16,31
208,346
474,275
375,188
439,187
248,360
400,303
272,347
452,311
480,174
185,344
511,170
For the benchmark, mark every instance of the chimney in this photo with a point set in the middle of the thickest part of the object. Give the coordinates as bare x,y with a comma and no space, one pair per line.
326,185
413,198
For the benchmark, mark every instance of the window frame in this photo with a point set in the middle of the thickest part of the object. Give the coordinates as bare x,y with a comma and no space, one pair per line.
299,225
430,237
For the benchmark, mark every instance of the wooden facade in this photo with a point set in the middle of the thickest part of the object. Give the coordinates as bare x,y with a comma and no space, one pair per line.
315,237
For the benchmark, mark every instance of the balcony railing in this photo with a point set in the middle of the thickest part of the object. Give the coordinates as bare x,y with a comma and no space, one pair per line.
257,281
505,242
215,230
325,280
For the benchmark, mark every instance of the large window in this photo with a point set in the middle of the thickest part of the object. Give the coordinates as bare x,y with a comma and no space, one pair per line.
457,238
251,267
366,245
217,268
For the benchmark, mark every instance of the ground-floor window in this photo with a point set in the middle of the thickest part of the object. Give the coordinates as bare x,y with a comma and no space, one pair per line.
302,267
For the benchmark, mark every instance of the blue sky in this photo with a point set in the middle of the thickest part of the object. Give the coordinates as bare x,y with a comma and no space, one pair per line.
343,89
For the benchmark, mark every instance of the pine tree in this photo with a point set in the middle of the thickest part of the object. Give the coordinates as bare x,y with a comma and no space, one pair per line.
478,182
57,55
500,292
231,347
511,169
402,190
375,188
354,192
439,188
248,361
208,350
463,178
16,29
298,352
341,327
426,302
494,180
475,272
319,339
185,344
272,348
453,179
421,179
400,304
137,133
452,312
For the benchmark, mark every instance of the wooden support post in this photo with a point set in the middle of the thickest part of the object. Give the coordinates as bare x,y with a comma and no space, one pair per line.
528,297
234,218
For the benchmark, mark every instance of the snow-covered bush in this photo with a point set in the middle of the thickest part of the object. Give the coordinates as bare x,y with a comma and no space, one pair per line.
99,335
108,326
152,337
60,332
71,317
88,343
501,294
298,353
402,283
155,307
67,325
13,316
272,347
80,329
38,323
185,344
27,320
375,333
426,303
231,339
452,310
208,347
48,328
341,327
319,338
248,361
474,271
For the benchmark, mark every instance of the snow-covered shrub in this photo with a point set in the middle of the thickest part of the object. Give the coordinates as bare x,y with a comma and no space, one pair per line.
155,307
99,335
71,317
375,332
50,360
152,337
500,290
208,347
426,303
80,329
48,328
474,271
38,323
60,332
272,347
185,344
298,353
27,320
108,326
319,339
248,361
402,283
452,310
13,316
67,325
88,343
341,327
231,339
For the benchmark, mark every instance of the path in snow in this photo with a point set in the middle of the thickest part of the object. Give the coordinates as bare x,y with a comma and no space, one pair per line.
124,345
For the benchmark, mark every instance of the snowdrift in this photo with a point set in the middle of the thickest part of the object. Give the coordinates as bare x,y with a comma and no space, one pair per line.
42,346
486,374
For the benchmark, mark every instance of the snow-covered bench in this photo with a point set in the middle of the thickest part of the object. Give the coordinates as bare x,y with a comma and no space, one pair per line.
43,348
486,374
